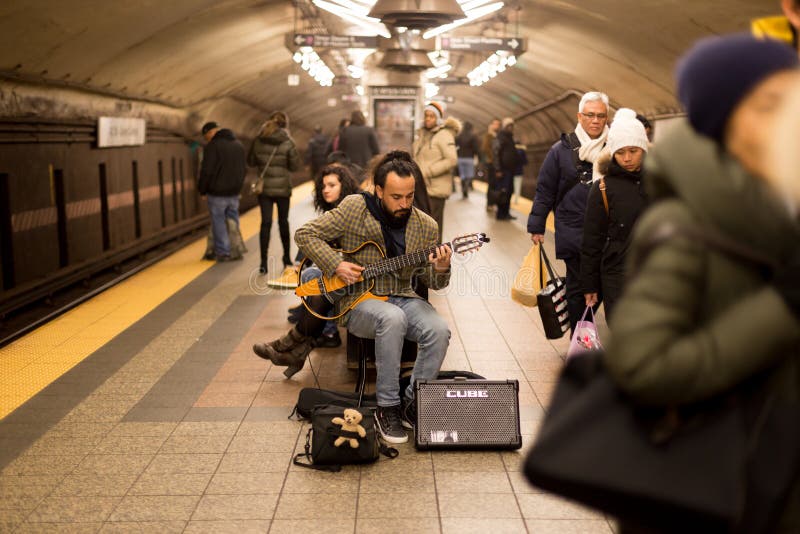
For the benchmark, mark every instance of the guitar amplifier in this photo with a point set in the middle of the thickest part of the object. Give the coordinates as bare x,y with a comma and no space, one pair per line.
467,414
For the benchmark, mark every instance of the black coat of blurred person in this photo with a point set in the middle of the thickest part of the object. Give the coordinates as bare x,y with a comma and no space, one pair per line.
467,147
274,149
333,146
487,158
358,140
506,162
317,151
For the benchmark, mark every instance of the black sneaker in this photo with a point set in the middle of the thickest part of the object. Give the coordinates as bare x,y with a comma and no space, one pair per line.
409,415
326,341
389,424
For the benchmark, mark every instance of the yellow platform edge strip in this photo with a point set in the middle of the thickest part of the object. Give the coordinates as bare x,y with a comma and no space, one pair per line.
31,363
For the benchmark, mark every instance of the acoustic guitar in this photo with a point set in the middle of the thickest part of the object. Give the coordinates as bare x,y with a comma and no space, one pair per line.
334,288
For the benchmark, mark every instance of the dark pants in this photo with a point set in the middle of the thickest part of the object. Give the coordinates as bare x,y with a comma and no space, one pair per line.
576,302
310,325
612,284
437,212
266,203
491,182
505,185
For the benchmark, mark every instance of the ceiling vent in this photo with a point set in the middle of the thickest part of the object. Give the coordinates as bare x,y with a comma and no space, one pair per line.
417,14
405,60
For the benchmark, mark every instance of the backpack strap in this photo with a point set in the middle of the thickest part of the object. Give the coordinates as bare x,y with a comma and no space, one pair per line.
603,192
308,464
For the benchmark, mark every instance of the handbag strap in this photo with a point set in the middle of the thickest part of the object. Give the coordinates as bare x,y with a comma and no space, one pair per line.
540,268
543,255
603,192
264,170
309,464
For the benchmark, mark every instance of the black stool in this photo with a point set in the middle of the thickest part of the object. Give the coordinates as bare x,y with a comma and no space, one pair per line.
361,355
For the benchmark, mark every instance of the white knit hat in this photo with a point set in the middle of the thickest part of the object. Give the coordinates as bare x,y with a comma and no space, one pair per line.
626,130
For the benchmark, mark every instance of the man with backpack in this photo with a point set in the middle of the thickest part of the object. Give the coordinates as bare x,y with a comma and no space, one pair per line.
563,187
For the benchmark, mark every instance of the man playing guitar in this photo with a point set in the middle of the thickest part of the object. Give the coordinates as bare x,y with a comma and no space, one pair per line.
389,219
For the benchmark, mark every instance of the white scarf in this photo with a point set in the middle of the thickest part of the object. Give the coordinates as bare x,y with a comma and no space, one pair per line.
590,148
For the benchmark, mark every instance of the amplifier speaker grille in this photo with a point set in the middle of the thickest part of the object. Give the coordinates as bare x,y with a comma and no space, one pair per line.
467,414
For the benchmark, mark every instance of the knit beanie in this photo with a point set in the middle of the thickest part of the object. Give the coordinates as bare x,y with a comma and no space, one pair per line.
626,130
505,122
437,109
718,72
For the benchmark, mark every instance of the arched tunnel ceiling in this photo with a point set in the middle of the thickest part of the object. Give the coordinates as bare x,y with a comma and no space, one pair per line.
227,60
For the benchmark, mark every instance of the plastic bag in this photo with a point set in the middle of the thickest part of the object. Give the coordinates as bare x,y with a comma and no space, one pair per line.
585,337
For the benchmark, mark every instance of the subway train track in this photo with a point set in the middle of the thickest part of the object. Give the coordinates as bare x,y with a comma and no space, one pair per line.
33,305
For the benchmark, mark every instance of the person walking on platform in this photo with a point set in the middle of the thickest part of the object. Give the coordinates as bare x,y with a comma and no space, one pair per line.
274,154
316,151
358,140
435,153
506,160
564,182
713,312
221,178
616,200
467,148
487,159
388,218
331,185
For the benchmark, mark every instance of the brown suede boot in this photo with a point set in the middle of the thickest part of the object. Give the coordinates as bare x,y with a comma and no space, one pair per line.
296,349
286,342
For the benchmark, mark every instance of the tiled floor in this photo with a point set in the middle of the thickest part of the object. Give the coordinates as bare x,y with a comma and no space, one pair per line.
188,430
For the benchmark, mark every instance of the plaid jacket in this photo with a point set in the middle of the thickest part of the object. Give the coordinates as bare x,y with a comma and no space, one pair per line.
352,225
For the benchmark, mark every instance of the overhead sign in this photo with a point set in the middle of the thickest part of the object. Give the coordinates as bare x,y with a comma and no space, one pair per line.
457,80
447,99
393,91
293,80
512,44
120,131
335,41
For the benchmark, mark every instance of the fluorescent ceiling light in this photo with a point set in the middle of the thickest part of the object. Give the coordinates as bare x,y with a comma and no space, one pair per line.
356,17
471,15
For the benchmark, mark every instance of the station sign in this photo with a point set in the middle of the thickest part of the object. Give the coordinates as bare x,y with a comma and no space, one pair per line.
335,41
393,91
447,99
120,131
453,80
479,43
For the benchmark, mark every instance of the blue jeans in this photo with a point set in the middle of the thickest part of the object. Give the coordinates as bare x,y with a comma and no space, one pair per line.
389,323
222,208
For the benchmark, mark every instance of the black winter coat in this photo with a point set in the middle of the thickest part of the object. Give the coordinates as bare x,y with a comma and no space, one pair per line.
507,157
607,238
359,143
223,169
467,145
555,176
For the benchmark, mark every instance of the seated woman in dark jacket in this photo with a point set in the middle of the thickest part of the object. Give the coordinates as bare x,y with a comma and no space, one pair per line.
615,201
331,185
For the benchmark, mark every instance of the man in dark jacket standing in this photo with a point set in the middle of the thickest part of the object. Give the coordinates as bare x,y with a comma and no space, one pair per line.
506,162
221,178
358,140
564,181
316,153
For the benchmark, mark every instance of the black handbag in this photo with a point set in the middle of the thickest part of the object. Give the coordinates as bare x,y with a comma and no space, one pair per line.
723,465
552,302
322,454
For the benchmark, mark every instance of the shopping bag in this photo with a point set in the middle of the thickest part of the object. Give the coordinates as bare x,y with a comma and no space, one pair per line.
585,337
530,278
552,302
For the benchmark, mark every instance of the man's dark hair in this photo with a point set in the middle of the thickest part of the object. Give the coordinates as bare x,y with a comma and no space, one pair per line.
357,119
208,127
346,179
399,162
338,157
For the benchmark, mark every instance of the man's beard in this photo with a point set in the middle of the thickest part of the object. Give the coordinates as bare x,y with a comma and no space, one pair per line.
398,218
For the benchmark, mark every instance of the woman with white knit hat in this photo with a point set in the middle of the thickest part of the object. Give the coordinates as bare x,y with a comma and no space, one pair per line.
616,200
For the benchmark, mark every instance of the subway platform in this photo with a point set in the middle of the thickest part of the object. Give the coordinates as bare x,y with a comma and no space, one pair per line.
145,410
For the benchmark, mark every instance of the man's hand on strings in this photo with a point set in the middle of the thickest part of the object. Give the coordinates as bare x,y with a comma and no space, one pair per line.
441,258
349,272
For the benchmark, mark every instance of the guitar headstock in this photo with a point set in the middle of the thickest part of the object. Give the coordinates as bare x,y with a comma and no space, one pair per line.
468,242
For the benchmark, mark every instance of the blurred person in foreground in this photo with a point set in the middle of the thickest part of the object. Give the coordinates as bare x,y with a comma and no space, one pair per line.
696,321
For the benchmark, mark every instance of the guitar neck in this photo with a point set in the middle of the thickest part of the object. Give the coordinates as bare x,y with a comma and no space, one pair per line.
390,265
